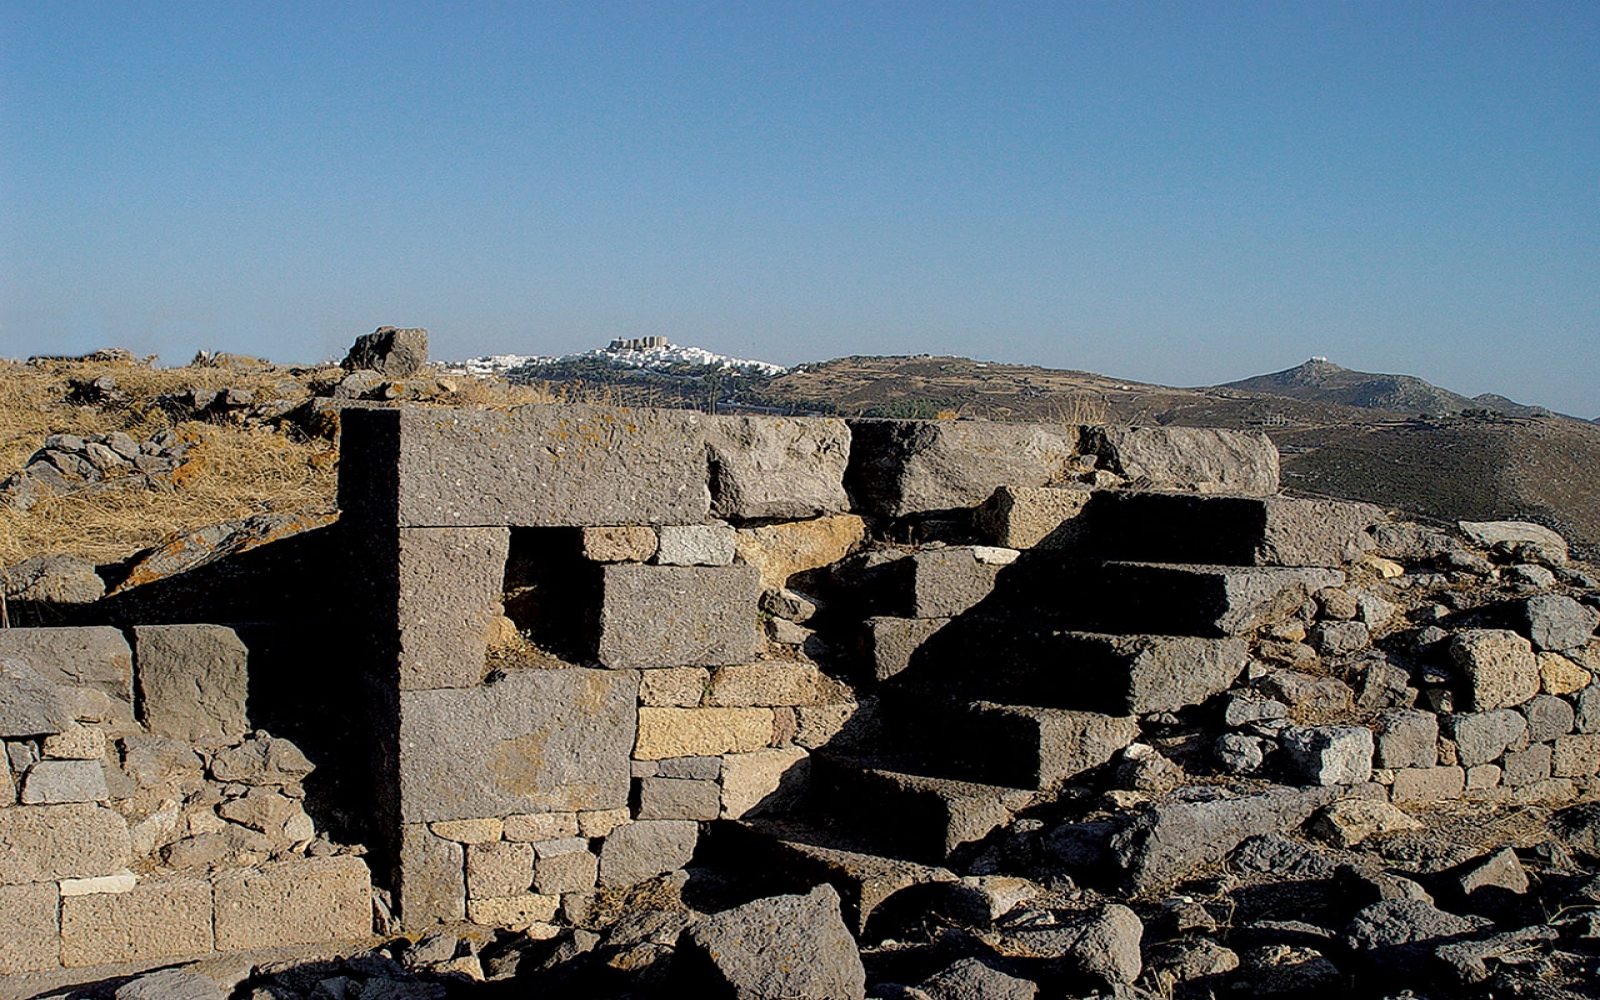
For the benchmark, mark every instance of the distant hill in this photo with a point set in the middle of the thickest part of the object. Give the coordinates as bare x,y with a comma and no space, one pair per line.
1320,380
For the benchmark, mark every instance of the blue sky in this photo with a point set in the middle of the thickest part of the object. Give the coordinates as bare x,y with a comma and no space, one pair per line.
1174,192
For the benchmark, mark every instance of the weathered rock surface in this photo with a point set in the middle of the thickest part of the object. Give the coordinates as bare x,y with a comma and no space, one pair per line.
1498,666
900,467
389,351
193,682
1188,458
777,467
782,946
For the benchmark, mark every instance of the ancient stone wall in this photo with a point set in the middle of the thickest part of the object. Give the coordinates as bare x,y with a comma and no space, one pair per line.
141,818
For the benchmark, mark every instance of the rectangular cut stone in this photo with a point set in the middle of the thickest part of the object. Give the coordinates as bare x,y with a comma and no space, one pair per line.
121,882
499,869
88,656
1415,785
450,586
674,686
535,466
600,822
304,901
1029,517
47,843
170,918
432,885
542,826
193,681
1151,526
469,831
891,642
647,848
53,781
777,467
564,866
946,582
533,741
617,543
900,467
769,682
748,779
675,616
701,732
696,545
1576,756
31,941
1202,459
678,798
514,912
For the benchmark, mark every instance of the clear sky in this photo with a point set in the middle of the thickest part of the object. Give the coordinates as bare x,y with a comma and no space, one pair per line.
1175,192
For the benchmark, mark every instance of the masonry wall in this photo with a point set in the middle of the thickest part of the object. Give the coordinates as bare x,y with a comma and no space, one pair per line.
143,817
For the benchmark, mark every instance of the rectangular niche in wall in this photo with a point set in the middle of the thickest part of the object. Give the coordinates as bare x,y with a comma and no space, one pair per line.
552,593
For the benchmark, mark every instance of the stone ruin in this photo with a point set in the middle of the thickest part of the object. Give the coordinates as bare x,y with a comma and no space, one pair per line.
549,655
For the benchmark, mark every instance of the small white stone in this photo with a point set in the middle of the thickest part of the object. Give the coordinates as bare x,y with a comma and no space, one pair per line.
123,881
992,555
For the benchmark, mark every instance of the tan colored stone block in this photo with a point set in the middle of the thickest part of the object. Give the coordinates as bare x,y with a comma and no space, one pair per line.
47,843
499,870
170,918
770,682
781,550
513,912
1414,785
600,822
1025,517
748,778
31,941
542,826
628,543
674,687
1499,666
304,901
817,724
701,732
76,742
468,831
1559,675
1576,756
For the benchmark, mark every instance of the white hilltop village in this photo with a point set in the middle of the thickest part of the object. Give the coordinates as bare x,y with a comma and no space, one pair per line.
650,353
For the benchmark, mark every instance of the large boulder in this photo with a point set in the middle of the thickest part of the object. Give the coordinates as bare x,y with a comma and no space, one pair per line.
778,947
389,351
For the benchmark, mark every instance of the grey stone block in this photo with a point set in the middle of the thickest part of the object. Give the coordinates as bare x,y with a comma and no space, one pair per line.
389,351
451,581
534,741
700,768
1498,665
1226,530
670,616
1556,622
431,880
536,466
1548,717
1524,767
30,705
1205,459
1406,738
1182,833
781,946
646,848
777,467
1195,600
946,582
88,656
679,798
696,545
1483,736
49,843
193,680
1328,755
890,642
564,866
55,781
294,902
900,467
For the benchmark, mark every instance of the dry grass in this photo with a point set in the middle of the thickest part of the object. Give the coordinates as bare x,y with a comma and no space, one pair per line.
232,473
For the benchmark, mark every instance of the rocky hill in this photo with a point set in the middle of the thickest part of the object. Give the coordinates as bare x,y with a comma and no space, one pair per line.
1321,380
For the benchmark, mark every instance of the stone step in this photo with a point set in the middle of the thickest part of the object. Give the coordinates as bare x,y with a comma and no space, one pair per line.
1225,530
1009,662
783,854
1018,746
908,815
1175,599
